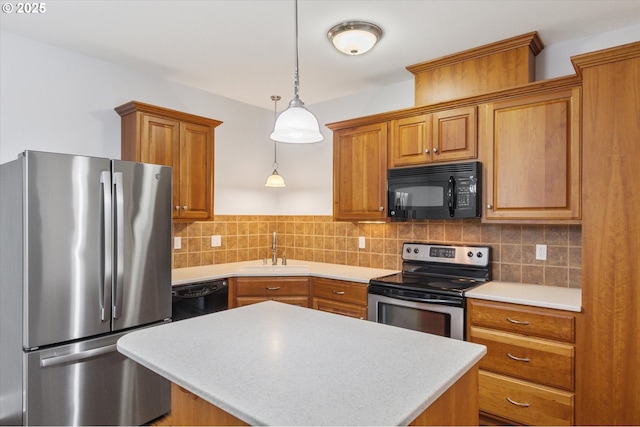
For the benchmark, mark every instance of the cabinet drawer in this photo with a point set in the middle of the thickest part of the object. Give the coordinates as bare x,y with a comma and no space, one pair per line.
299,301
524,402
533,321
546,362
341,291
272,286
351,310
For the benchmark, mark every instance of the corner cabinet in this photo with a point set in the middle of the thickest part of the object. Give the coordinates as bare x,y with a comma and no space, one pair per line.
287,289
183,141
360,173
442,136
532,157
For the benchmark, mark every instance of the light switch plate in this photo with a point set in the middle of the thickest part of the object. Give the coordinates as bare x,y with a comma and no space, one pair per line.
216,241
361,242
541,252
177,242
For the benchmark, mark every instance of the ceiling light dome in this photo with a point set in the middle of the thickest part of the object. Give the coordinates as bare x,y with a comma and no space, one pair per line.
354,37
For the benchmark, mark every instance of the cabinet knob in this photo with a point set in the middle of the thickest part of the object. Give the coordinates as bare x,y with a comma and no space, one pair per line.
435,150
184,207
426,151
381,208
177,208
489,206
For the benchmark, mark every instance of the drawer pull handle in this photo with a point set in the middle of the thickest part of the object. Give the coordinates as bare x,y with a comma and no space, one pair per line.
518,322
275,288
513,402
338,292
519,359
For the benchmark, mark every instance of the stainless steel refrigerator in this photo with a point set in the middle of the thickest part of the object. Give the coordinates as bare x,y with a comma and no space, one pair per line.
85,257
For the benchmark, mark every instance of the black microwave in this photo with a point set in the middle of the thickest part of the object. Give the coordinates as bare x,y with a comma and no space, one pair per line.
435,191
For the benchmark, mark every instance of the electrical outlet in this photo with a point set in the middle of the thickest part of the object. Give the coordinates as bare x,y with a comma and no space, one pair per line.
361,242
541,252
177,242
216,241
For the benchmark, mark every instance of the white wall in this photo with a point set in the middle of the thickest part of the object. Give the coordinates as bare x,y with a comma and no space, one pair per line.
56,100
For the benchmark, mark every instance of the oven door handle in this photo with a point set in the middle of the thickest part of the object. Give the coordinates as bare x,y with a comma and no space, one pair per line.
429,301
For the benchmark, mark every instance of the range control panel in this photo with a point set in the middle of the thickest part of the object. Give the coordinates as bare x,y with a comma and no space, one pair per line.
448,254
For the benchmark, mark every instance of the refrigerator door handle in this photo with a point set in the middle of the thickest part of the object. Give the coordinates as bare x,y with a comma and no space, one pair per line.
76,357
106,267
119,244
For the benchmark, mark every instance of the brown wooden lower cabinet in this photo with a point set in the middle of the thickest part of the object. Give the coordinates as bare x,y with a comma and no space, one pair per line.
340,297
457,406
287,289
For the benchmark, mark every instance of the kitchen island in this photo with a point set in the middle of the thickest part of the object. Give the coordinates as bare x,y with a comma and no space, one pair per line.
275,364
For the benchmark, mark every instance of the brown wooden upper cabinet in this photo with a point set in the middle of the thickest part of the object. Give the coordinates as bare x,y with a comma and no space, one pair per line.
183,141
360,172
532,157
441,136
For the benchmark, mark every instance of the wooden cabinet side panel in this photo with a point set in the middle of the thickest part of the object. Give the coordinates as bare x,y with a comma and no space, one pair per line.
458,406
187,409
608,372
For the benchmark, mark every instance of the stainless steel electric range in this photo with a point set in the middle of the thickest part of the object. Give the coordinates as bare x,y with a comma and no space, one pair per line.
429,294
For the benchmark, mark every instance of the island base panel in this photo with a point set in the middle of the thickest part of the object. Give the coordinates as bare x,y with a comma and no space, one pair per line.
457,406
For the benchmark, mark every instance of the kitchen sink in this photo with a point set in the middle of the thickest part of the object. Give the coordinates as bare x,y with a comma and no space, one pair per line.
270,269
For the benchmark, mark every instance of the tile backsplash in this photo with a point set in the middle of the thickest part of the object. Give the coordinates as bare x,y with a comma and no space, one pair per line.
320,239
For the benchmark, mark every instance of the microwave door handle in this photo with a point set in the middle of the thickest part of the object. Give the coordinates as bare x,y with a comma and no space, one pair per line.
451,195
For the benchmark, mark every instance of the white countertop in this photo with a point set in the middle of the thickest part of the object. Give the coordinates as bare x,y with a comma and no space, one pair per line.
351,273
276,364
569,299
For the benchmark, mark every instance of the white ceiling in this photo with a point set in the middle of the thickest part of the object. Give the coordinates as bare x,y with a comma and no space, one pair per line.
244,49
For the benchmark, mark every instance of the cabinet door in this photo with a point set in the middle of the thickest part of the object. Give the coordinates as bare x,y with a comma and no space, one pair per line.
410,141
533,157
360,173
455,135
196,171
160,145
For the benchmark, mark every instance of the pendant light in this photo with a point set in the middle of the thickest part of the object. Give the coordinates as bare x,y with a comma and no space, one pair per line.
275,180
296,124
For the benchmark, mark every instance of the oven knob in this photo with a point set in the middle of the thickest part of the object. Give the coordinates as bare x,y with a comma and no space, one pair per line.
408,250
416,250
479,254
470,254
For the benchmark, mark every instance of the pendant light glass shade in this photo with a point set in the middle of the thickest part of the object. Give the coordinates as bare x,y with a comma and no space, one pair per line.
275,180
355,38
296,124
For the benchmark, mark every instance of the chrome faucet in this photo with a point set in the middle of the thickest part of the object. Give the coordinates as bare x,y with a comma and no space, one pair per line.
274,251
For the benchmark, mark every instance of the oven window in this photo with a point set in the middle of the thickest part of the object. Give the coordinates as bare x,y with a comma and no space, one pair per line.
417,319
419,196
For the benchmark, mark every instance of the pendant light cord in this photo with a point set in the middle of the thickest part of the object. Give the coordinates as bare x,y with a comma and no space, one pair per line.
275,99
297,74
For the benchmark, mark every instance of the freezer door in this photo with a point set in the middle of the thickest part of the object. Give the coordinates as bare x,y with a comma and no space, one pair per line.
66,236
91,383
142,244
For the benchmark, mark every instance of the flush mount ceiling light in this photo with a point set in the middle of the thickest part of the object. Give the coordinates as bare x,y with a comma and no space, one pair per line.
296,124
275,180
354,37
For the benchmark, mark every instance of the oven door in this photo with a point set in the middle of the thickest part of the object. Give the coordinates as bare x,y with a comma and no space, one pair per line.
433,318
